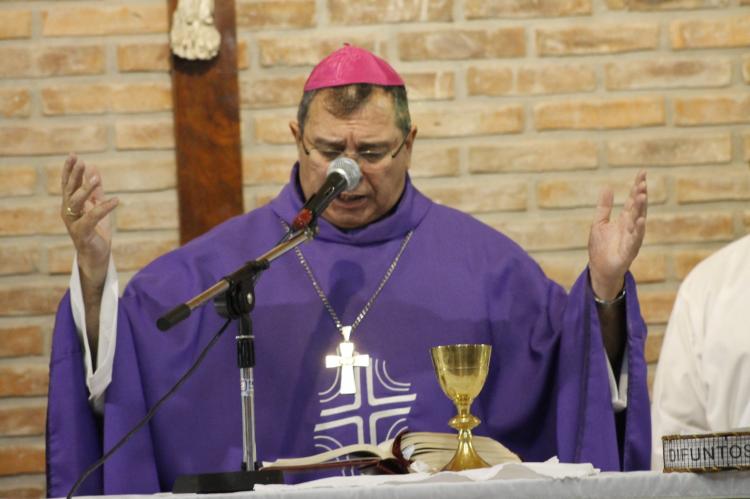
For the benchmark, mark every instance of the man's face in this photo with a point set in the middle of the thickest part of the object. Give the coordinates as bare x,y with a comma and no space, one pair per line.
366,135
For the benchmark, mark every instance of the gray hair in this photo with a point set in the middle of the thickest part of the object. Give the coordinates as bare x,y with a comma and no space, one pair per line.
345,100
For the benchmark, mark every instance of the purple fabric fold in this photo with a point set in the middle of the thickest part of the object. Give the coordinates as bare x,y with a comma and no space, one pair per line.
73,430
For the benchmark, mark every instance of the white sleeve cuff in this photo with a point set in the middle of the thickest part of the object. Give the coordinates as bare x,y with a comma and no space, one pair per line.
98,376
619,390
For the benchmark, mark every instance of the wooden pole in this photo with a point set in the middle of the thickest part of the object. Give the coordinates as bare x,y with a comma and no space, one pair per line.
206,107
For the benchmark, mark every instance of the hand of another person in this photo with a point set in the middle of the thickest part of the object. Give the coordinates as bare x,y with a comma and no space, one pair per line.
85,212
614,244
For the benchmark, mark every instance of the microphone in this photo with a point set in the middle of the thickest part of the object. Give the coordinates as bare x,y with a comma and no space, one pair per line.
343,175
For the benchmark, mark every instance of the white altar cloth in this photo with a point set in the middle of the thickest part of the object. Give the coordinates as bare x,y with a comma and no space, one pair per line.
632,485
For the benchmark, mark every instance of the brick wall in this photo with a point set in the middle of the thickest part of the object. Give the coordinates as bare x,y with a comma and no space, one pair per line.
525,108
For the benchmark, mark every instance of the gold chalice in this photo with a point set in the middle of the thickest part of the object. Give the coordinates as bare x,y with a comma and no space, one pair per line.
462,370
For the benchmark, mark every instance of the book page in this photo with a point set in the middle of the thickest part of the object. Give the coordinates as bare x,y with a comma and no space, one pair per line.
351,451
432,448
436,449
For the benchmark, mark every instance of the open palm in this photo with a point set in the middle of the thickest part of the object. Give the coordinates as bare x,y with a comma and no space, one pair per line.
85,212
614,242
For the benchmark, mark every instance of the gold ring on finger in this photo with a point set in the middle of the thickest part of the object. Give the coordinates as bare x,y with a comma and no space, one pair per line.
72,213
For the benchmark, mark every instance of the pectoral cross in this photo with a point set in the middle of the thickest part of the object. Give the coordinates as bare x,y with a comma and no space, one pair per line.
347,359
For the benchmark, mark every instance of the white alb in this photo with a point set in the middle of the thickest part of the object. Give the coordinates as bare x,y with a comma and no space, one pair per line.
703,378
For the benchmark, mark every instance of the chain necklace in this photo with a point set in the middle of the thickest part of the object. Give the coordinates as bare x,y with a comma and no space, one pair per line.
347,358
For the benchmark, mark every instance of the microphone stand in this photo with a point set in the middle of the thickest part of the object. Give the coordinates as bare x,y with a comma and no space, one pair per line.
234,298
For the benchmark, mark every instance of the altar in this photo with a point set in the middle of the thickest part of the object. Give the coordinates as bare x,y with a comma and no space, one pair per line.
631,485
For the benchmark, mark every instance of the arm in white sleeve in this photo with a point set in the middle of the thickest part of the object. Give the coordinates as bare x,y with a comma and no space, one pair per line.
678,398
98,375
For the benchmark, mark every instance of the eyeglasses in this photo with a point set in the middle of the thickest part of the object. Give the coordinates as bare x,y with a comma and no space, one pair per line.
372,157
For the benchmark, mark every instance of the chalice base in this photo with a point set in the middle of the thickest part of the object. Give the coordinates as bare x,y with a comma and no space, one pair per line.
465,458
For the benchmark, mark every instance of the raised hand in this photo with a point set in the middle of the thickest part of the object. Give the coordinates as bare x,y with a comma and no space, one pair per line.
614,243
85,212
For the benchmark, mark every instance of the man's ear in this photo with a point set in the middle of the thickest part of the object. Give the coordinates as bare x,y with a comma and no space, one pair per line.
294,128
409,144
410,138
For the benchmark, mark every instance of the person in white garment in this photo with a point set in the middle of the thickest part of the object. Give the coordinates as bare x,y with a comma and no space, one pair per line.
702,381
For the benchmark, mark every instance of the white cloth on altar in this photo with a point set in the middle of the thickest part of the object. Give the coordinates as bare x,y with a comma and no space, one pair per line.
608,485
552,468
702,381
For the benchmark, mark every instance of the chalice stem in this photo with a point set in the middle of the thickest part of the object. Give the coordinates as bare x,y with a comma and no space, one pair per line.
466,457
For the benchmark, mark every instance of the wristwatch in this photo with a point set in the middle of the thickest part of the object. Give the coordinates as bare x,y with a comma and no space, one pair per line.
606,303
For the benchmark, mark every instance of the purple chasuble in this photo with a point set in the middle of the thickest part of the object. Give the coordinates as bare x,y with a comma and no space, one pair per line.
458,281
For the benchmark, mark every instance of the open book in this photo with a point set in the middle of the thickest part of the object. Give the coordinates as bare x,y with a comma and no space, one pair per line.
432,450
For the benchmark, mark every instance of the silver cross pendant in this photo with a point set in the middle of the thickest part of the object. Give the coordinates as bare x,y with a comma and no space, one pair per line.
347,359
